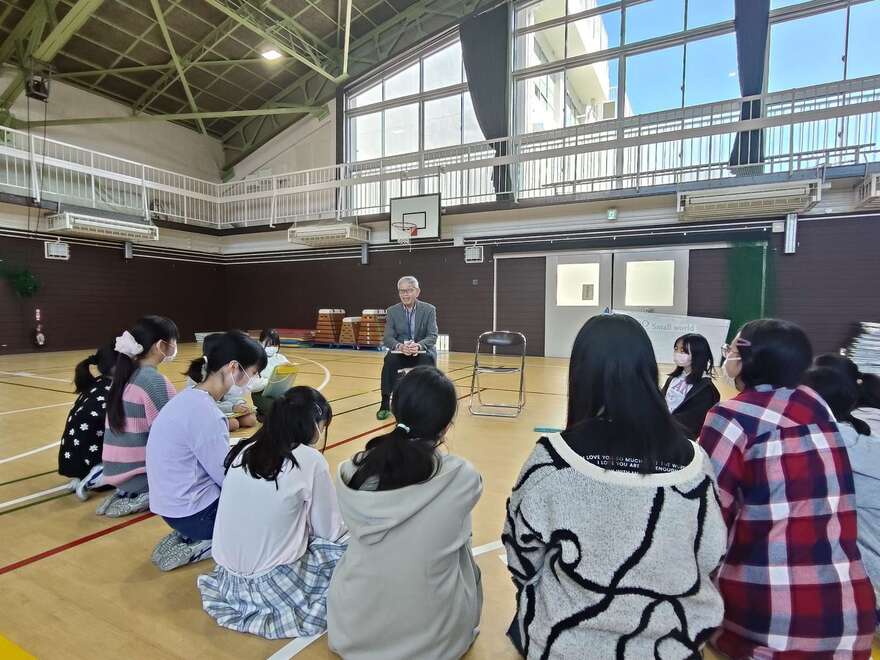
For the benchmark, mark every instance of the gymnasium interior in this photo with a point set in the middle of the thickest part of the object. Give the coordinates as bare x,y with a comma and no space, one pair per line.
254,164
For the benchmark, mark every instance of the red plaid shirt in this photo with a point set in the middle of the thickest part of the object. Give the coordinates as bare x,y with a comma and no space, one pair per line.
793,581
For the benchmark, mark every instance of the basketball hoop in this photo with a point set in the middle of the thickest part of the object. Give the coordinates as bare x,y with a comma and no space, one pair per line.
408,231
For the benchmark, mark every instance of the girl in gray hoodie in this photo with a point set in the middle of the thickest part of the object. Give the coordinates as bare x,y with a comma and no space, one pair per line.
408,586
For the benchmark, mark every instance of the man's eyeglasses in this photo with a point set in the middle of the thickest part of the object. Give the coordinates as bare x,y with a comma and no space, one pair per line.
404,292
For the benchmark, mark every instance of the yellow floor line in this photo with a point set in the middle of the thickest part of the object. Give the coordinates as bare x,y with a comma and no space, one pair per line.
10,651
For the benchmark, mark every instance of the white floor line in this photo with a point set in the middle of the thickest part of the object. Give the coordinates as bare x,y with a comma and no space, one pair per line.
34,496
21,410
291,649
489,547
9,459
26,374
325,369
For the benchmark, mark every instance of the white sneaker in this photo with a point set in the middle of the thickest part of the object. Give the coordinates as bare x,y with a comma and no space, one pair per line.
89,481
72,484
181,553
127,504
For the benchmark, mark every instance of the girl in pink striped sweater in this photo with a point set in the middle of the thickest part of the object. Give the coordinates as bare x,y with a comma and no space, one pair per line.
138,393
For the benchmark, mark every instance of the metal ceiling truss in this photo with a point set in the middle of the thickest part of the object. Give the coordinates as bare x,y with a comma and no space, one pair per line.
178,116
286,35
44,50
406,29
160,18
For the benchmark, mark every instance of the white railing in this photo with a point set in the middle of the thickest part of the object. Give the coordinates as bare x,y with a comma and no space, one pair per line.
806,128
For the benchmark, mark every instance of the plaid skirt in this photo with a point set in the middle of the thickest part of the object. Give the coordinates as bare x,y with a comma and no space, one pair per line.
288,601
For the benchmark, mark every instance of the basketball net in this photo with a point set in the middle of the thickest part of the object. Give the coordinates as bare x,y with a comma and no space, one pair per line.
407,234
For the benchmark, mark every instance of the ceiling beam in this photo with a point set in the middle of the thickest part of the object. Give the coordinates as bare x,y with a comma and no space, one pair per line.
169,66
178,116
196,53
279,35
54,42
406,29
160,18
35,14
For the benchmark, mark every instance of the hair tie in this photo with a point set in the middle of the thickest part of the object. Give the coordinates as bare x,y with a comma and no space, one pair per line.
128,345
404,427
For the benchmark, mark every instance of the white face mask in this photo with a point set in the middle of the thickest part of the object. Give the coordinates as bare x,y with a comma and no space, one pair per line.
247,386
681,359
166,357
730,379
271,351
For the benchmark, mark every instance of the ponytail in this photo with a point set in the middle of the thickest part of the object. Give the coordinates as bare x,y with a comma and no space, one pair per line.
146,332
82,377
424,402
220,349
291,421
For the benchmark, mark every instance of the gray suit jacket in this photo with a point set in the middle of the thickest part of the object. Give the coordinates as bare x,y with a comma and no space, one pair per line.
397,330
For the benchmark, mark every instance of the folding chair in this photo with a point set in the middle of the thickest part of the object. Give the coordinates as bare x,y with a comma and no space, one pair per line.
515,344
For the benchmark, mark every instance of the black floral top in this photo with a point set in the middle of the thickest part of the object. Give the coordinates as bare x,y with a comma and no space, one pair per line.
83,439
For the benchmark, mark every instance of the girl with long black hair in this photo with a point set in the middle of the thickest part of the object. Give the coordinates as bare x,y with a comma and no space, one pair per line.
82,443
278,532
689,390
188,444
137,395
408,586
613,526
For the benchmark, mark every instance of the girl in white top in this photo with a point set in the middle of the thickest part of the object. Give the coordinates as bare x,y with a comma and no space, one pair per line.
278,532
272,345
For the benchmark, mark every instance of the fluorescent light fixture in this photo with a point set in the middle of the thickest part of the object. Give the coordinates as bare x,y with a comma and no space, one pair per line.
271,54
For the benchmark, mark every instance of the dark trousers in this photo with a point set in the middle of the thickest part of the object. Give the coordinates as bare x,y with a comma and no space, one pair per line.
396,361
197,527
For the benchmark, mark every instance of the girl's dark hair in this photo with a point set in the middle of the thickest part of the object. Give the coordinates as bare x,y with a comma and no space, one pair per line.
774,352
613,375
702,361
867,385
104,359
147,331
840,391
290,423
424,402
269,337
221,348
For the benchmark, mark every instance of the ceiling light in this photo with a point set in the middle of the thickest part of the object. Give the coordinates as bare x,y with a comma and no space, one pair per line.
271,54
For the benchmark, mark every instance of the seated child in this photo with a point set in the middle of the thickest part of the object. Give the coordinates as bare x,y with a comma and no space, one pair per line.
278,532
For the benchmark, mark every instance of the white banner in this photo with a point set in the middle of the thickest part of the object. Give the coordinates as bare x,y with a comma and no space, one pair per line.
664,329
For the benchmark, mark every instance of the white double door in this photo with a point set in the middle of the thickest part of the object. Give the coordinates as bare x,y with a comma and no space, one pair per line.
583,284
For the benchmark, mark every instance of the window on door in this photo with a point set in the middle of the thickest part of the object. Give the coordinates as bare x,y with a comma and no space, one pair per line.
577,285
650,283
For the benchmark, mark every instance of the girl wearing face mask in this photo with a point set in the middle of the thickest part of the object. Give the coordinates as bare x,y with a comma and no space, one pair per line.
279,532
233,404
188,443
793,581
272,344
137,395
689,390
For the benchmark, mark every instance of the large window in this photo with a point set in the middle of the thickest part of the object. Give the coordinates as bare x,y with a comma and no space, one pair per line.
568,59
583,61
420,104
842,45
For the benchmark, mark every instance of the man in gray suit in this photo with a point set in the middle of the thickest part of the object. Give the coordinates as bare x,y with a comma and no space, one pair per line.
410,336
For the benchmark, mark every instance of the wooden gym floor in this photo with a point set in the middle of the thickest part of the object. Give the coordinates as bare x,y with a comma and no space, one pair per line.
75,585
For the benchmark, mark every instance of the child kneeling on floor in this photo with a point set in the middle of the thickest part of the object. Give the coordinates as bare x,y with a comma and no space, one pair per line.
187,447
278,533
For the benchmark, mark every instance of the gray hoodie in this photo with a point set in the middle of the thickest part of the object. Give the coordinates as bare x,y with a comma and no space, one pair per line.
407,586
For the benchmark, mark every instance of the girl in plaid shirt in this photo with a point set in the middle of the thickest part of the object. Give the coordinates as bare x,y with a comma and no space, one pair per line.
793,581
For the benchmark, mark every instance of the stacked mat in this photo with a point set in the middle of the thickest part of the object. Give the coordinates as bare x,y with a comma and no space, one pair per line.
865,348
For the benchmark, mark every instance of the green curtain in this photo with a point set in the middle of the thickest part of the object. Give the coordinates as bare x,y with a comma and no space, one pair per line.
750,283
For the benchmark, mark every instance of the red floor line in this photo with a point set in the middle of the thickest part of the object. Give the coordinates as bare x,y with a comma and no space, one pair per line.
109,530
72,544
